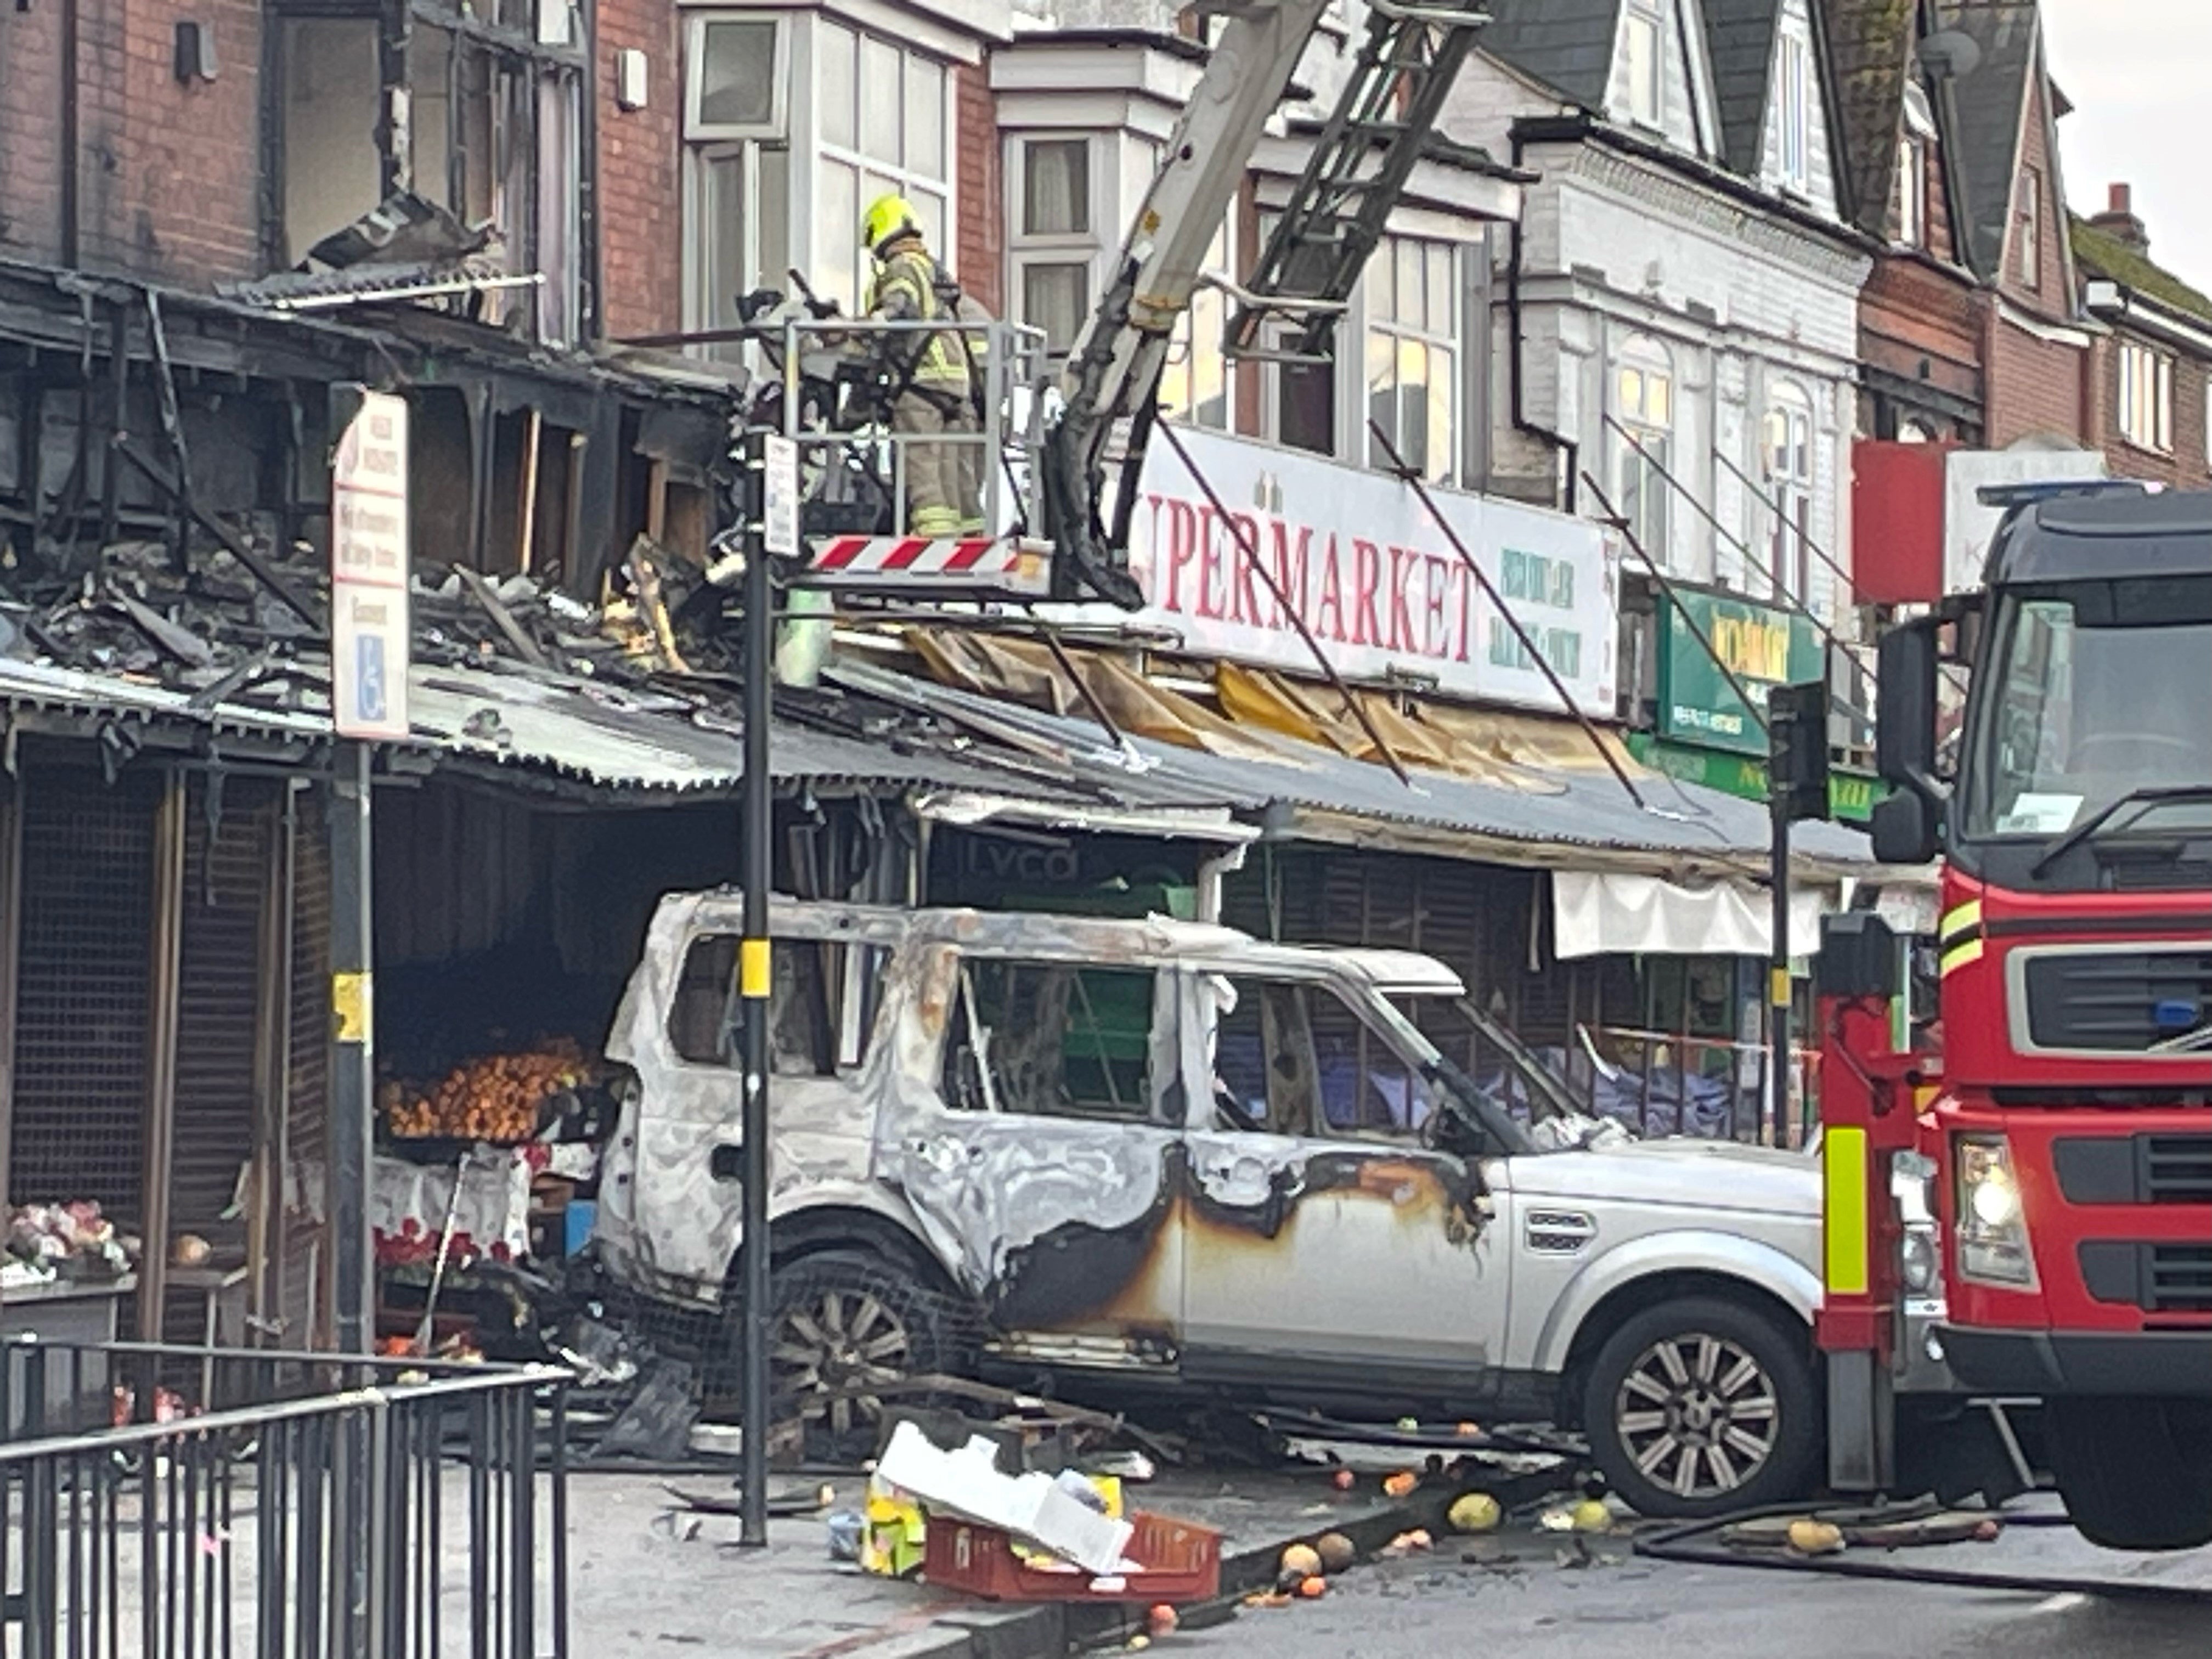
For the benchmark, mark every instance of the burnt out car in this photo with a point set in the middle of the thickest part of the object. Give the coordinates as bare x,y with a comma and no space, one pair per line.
1134,1156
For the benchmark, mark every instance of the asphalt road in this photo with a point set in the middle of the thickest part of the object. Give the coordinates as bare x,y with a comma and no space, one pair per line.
1526,1603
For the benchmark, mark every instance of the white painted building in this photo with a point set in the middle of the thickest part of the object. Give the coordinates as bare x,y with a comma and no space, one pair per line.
1683,273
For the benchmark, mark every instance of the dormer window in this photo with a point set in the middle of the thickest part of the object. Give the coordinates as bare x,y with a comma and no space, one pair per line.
1641,48
1912,163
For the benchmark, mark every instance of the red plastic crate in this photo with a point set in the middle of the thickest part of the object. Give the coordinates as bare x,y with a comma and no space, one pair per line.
1180,1562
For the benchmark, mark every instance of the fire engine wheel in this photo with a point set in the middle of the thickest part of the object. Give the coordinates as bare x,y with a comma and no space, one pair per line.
838,1323
1701,1407
2136,1475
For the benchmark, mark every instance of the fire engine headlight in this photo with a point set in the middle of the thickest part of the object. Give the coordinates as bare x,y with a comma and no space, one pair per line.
1993,1247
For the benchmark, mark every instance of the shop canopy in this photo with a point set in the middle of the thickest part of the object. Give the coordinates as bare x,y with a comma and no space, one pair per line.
1606,913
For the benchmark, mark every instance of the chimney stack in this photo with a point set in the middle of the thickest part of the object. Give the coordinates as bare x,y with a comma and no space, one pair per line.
2119,222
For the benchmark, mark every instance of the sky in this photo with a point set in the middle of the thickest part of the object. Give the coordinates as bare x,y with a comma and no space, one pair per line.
2139,73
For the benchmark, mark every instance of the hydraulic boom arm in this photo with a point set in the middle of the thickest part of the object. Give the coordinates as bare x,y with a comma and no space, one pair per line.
1332,223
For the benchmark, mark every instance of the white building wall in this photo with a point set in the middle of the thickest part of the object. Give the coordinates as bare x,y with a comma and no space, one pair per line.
1796,24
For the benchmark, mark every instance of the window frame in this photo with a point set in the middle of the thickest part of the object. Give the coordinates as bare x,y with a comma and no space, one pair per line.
778,125
1160,1043
2028,230
2144,405
1026,249
1792,405
1649,358
1794,148
1374,325
1647,93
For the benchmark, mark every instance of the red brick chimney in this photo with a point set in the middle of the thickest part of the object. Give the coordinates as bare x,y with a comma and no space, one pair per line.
2119,221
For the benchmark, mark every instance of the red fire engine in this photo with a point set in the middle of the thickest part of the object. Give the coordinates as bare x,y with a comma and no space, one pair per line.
2069,1112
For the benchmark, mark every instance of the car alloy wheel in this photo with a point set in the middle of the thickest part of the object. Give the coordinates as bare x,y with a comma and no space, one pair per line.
826,1349
1697,1414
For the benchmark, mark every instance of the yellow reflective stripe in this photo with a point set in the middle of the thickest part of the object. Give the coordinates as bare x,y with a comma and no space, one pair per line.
1965,919
1959,955
1926,1095
1777,987
1844,1165
754,977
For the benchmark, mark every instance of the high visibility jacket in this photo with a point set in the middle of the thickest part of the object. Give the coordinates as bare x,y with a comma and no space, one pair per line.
905,289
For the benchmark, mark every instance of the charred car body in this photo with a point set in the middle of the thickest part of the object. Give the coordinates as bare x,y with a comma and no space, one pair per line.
1144,1155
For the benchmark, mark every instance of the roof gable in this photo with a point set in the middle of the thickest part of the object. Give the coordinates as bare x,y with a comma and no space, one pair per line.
1870,53
1989,107
1742,33
1567,44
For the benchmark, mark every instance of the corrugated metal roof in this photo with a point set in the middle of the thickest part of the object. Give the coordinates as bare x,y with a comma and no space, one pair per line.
1561,813
597,733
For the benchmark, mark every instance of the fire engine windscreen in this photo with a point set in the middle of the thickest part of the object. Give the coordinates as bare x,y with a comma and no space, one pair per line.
2091,693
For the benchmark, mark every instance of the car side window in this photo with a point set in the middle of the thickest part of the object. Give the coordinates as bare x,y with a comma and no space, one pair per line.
1265,1078
1368,1092
1049,1039
809,1034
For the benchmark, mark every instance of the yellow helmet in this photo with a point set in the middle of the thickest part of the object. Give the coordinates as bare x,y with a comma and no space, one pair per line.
887,219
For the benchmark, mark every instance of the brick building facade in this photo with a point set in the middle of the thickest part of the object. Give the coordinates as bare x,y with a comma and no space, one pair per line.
2153,371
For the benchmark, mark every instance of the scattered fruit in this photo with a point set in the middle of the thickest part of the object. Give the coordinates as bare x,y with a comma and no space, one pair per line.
1399,1485
1268,1599
1299,1562
1990,1531
1469,1430
1344,1480
1592,1516
1810,1537
1314,1588
190,1250
1409,1425
1557,1520
1336,1552
1416,1542
1138,1642
1162,1620
1475,1512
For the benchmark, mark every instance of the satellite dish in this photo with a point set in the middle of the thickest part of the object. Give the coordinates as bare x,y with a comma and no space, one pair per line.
1950,54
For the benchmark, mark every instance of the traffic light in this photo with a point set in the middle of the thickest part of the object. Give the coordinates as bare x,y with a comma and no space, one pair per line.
1798,749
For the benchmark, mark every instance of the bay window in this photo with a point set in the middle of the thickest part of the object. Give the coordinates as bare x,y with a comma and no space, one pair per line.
1054,231
2146,409
792,125
1790,484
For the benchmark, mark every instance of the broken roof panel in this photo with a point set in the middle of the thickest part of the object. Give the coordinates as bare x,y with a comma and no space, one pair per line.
1568,818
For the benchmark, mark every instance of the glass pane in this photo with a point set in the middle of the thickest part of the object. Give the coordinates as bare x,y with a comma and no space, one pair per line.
1382,282
772,234
1631,394
929,214
1659,400
1055,298
1305,411
1413,406
925,117
723,201
841,89
1209,370
1443,437
737,74
1055,187
837,236
1383,394
880,100
1409,310
1443,292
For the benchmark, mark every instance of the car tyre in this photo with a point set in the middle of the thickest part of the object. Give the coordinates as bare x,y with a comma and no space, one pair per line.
839,1321
2135,1473
1702,1406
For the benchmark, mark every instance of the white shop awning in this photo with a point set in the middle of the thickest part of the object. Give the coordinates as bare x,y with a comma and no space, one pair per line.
1605,912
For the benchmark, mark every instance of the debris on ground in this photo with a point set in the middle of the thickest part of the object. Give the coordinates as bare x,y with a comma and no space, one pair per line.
1032,1506
1828,1532
1299,1563
1475,1512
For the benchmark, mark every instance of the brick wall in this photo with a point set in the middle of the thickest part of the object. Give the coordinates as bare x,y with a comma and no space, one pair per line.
980,261
1920,322
2037,388
168,173
30,138
171,172
641,195
2184,466
2051,297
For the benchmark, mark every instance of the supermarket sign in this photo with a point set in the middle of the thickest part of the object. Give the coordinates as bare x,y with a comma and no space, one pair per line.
1373,576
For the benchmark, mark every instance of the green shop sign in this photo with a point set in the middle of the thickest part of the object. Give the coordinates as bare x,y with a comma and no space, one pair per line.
1762,646
1851,795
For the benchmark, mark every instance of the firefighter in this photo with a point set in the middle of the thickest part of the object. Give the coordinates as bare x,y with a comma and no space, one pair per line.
938,393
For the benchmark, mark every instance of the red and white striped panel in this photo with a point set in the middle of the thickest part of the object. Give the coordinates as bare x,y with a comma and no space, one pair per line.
976,560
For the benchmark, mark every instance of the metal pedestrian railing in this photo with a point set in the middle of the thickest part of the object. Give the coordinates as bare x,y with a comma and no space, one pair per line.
310,1505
